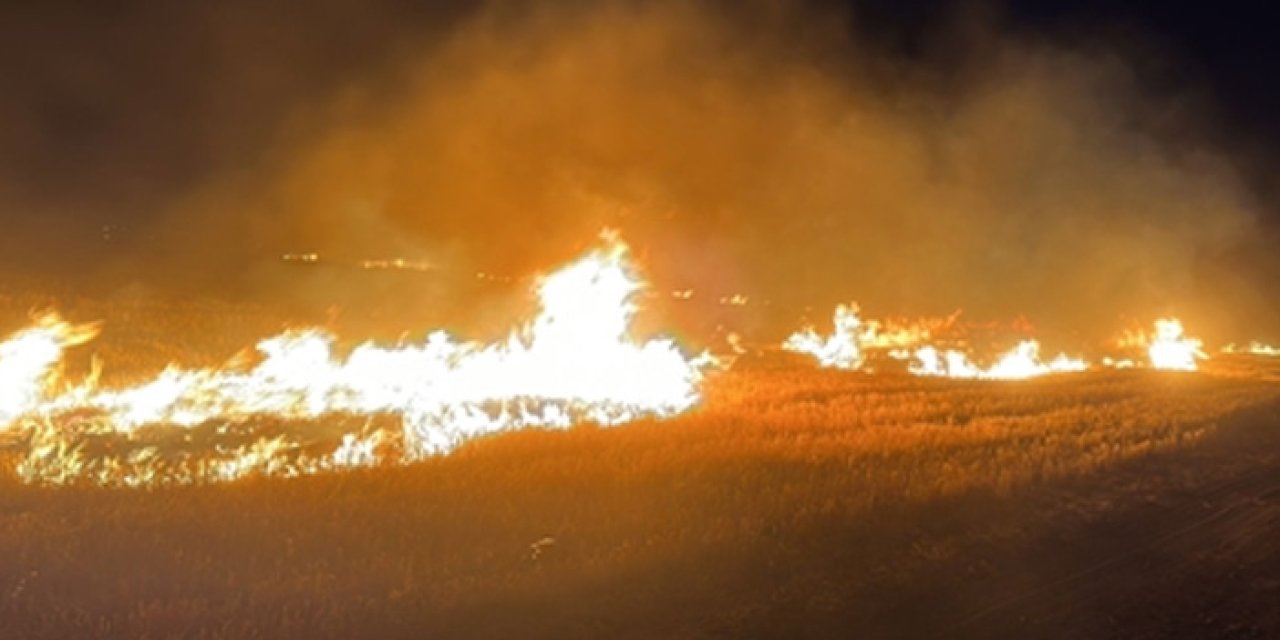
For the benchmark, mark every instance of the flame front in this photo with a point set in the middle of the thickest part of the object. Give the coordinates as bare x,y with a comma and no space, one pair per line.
1023,361
1166,348
853,338
574,363
27,361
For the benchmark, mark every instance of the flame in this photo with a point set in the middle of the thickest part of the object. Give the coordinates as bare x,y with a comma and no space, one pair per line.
1167,347
574,362
1119,363
842,349
899,334
27,360
1253,348
853,337
1023,361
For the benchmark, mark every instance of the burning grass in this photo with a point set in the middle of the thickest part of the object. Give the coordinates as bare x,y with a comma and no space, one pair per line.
653,527
575,362
690,524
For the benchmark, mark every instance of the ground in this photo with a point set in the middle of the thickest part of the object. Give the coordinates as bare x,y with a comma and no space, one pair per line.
794,503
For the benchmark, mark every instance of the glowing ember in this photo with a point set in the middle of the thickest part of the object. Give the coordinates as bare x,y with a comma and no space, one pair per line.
575,362
897,335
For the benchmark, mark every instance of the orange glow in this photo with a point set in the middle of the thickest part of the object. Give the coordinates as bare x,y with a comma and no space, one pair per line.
847,346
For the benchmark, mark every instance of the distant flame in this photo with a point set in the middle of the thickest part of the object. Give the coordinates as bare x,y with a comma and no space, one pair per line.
842,349
1023,361
1168,347
847,347
852,338
1253,348
1171,349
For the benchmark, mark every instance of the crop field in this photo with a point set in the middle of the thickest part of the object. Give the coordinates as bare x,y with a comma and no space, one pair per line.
792,502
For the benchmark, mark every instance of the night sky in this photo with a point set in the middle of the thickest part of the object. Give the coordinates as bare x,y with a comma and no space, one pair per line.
919,156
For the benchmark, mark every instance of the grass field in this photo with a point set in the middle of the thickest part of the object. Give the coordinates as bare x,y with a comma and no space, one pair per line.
794,502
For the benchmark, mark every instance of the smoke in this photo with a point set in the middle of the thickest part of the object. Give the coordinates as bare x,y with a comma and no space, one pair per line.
769,151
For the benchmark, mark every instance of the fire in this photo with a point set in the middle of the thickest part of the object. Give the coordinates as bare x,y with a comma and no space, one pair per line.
1253,348
1023,361
574,362
1171,349
27,360
1168,347
853,337
842,349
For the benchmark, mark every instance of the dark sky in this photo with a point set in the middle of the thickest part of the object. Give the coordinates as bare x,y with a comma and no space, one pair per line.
1227,51
142,140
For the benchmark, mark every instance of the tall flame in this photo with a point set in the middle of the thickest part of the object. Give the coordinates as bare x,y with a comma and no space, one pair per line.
1168,347
574,362
27,361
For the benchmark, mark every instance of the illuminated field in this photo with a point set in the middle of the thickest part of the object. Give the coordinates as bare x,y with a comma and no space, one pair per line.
789,496
623,320
793,494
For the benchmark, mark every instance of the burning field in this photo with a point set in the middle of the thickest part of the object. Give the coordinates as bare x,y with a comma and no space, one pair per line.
574,363
582,480
295,407
507,319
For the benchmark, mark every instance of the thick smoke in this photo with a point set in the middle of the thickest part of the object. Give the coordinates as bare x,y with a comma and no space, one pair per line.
764,151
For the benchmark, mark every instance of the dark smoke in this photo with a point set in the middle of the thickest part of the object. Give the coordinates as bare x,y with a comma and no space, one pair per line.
772,151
